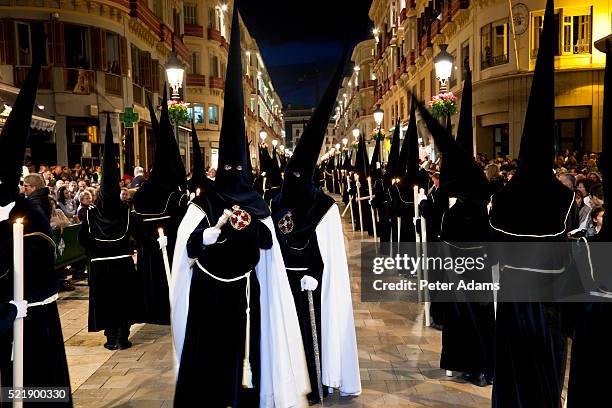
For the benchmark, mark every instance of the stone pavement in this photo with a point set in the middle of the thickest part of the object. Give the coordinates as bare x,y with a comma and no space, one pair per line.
398,357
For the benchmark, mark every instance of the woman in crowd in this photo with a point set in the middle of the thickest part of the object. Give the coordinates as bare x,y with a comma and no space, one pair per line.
65,202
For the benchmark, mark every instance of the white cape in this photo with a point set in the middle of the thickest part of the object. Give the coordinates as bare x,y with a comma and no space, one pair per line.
339,358
284,376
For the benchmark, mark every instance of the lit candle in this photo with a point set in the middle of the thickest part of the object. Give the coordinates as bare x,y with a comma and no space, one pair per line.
198,191
18,289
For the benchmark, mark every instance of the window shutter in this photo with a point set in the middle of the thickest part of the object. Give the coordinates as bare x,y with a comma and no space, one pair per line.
10,46
155,76
56,43
123,50
97,61
145,69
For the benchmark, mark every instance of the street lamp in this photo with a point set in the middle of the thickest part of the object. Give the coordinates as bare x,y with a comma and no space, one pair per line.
274,143
337,147
345,141
283,133
263,135
356,133
175,72
281,148
379,115
224,7
444,65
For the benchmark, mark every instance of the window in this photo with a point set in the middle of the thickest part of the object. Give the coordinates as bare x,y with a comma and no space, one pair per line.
198,111
402,109
433,80
223,70
157,8
24,44
113,54
136,69
211,17
494,41
422,90
252,104
213,114
78,46
452,81
214,66
195,63
465,57
191,13
576,34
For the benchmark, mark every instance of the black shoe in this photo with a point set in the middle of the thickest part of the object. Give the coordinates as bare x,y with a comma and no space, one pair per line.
111,345
478,379
124,344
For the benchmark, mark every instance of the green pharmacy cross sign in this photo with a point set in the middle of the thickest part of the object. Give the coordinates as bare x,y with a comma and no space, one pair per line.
128,117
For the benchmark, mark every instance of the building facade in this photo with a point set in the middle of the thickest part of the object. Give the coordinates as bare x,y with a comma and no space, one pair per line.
109,55
296,118
500,46
207,28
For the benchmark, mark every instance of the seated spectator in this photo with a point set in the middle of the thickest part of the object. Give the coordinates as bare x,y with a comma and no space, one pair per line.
65,202
138,177
58,218
125,195
568,180
86,202
596,200
584,186
596,221
38,193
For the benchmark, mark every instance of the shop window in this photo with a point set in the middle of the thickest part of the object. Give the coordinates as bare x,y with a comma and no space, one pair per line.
213,114
197,113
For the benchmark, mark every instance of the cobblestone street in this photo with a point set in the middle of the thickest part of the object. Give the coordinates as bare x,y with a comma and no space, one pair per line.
398,357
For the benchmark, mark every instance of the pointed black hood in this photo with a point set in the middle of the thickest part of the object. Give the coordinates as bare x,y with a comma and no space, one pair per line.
512,212
409,154
167,131
605,160
163,174
299,186
108,196
198,176
393,170
362,166
375,171
460,176
465,132
269,166
233,182
16,129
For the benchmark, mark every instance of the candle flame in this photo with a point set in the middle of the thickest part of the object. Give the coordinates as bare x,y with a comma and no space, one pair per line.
19,221
197,192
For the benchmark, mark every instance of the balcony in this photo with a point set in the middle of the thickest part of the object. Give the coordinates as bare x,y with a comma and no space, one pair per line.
435,28
113,84
193,30
215,35
217,83
492,61
79,81
140,10
369,83
425,43
458,5
44,82
196,80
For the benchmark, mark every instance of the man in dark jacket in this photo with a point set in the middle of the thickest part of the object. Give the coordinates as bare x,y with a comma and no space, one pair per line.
38,193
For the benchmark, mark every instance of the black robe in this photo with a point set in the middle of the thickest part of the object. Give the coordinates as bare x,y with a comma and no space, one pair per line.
112,282
155,208
213,351
44,355
300,250
469,327
8,312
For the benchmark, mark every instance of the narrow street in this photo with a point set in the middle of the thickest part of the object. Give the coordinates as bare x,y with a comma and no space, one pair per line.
398,357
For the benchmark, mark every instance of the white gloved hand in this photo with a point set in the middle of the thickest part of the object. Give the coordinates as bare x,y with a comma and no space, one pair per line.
210,235
22,308
421,198
163,242
309,283
452,201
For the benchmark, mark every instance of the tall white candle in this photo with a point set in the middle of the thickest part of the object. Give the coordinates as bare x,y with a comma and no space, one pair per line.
164,250
18,289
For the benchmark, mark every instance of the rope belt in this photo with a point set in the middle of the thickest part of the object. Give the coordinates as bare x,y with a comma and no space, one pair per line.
108,258
47,301
247,374
296,269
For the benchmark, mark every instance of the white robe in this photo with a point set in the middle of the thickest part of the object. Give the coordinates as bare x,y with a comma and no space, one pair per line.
339,357
284,376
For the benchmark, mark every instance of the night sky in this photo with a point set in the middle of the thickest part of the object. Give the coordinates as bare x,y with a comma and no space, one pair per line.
301,41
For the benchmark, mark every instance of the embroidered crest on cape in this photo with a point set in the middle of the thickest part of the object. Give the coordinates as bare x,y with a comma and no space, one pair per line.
240,219
285,224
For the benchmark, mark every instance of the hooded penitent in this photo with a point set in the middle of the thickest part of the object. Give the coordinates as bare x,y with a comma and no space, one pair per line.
393,169
465,132
198,176
166,129
233,182
513,210
409,154
375,162
15,134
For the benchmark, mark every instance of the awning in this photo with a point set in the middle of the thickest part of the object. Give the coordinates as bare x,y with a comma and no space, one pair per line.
40,119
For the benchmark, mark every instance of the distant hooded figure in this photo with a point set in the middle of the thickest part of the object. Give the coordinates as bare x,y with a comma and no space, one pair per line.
44,362
271,173
309,231
159,203
530,345
105,233
198,182
468,331
234,324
